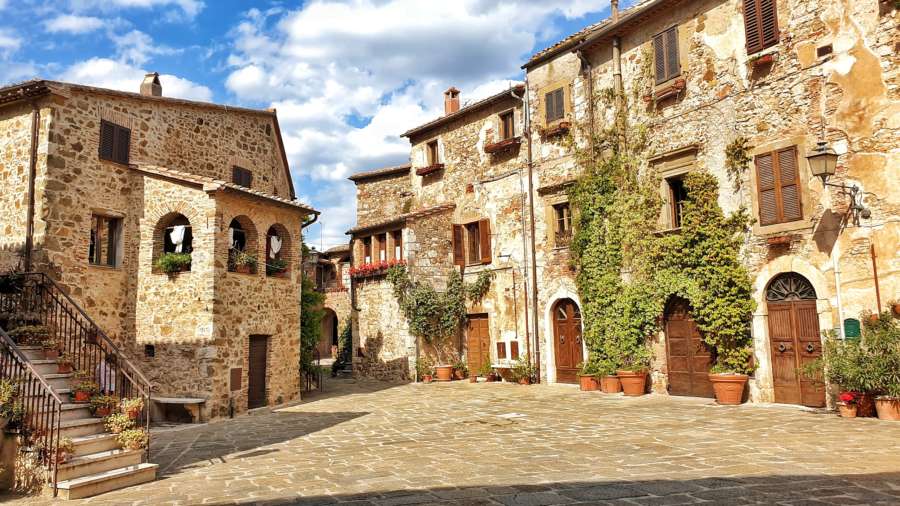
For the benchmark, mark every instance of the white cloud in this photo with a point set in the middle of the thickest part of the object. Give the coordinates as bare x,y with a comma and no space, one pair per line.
180,10
73,24
9,41
2,4
106,73
137,48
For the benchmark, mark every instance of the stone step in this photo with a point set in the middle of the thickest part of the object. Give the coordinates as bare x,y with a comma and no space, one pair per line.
57,380
94,443
45,366
93,463
94,484
81,427
32,353
73,411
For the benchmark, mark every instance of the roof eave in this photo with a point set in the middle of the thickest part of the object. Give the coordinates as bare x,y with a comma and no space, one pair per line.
621,26
519,88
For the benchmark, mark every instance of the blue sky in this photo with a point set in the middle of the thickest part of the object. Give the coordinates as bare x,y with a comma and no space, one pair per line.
347,76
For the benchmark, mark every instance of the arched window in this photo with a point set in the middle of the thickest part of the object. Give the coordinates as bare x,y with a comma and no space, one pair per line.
788,287
173,243
242,246
179,236
278,251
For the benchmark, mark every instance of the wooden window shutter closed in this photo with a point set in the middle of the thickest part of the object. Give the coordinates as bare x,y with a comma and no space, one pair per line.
768,198
459,257
760,24
107,140
789,180
123,145
673,66
484,230
501,351
560,105
659,57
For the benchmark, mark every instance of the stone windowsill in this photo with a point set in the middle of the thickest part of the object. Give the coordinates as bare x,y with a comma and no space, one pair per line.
504,145
555,128
110,268
431,169
766,231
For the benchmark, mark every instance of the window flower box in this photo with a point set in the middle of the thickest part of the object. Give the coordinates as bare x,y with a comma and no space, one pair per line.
431,169
670,90
504,145
560,128
374,269
761,60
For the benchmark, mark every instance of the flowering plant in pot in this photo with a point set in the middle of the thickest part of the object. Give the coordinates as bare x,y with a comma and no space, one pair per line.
846,363
104,405
424,370
132,407
132,439
118,422
589,375
64,364
84,386
242,262
460,370
522,372
50,344
881,339
847,406
29,335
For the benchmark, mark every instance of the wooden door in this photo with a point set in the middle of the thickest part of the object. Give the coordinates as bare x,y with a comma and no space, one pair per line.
688,356
794,339
478,342
567,340
256,376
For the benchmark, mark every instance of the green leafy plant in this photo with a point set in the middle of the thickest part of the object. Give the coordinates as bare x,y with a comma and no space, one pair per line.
737,158
345,345
171,263
11,408
240,259
881,340
101,402
30,335
276,266
522,369
424,367
486,367
132,439
118,422
461,366
311,314
132,406
84,382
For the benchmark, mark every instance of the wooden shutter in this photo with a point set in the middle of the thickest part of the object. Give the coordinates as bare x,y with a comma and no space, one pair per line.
514,350
549,107
501,351
659,57
760,24
789,180
768,198
560,105
122,145
665,53
484,231
459,257
107,140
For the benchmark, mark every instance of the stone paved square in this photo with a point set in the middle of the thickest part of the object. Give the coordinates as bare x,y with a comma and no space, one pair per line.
385,444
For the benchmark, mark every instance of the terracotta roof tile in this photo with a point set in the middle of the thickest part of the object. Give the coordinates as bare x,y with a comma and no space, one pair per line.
386,171
420,213
518,88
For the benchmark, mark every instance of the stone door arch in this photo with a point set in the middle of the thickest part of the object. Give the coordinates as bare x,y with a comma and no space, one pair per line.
329,335
567,343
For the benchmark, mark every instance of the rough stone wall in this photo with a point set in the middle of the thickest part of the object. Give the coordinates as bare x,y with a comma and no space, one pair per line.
383,347
382,198
190,318
855,89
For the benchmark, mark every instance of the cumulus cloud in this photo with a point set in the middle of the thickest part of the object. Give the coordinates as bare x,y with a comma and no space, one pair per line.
178,10
136,47
70,23
107,73
348,76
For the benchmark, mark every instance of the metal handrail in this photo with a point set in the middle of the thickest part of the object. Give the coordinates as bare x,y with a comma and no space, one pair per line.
42,406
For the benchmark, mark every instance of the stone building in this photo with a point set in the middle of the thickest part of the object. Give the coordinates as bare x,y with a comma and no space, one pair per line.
330,270
124,179
701,74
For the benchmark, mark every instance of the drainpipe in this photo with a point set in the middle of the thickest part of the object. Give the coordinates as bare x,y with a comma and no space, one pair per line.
533,253
526,132
617,59
32,175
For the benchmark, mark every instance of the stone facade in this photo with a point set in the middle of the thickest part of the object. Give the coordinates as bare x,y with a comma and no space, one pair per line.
835,65
188,330
330,269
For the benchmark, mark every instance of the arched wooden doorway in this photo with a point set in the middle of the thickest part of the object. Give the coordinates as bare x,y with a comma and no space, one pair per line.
567,340
688,356
794,339
329,333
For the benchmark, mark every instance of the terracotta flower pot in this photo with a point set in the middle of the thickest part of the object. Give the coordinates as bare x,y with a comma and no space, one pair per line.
896,309
64,368
729,388
492,377
865,405
633,382
888,408
134,413
103,411
243,269
588,383
458,374
524,381
610,384
847,410
427,378
444,372
51,354
82,396
473,379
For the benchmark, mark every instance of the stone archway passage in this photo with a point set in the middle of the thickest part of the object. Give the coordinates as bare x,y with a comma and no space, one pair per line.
688,356
329,333
567,340
794,339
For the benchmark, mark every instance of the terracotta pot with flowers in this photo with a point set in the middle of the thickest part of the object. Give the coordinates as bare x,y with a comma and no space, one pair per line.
84,386
588,376
104,405
424,370
132,407
64,364
847,406
51,348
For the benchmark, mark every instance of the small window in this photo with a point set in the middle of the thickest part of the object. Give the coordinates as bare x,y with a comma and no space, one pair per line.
555,105
367,250
501,351
106,234
778,185
433,155
115,142
677,196
473,244
242,177
665,49
178,236
507,125
398,244
514,350
382,247
562,215
760,24
149,350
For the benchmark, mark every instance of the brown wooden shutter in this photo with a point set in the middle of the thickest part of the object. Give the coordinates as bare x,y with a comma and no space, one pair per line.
765,180
514,350
659,57
107,140
501,351
789,180
459,257
122,145
760,24
768,12
673,66
549,105
484,231
560,103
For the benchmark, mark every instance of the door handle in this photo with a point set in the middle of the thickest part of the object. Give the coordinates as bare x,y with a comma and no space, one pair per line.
810,348
782,348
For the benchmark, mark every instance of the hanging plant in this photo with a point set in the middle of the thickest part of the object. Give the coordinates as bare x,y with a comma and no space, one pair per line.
737,158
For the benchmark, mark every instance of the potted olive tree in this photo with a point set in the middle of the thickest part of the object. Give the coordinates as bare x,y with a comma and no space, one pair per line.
881,339
522,371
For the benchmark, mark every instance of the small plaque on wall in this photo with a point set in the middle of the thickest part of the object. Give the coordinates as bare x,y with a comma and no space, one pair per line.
851,328
236,379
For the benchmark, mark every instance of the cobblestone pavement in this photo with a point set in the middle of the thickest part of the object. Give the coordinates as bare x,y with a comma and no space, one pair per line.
375,443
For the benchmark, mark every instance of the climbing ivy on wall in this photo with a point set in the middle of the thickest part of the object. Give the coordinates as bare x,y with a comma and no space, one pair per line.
627,270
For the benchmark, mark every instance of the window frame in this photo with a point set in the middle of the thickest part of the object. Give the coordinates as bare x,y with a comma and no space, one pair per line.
397,238
114,235
759,42
382,246
507,120
432,153
676,211
558,107
240,175
663,44
117,134
472,243
367,249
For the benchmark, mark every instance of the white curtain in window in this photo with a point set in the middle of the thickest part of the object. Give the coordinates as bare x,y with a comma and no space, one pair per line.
177,237
274,246
231,243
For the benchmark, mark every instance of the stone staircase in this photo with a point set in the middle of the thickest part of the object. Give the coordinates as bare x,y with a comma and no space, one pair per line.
98,463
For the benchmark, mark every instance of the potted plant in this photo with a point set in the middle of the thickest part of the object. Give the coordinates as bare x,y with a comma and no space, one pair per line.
633,372
881,340
132,407
132,439
460,370
522,371
846,364
443,372
588,376
51,347
118,422
172,263
29,335
276,267
64,364
103,405
424,370
847,406
84,387
63,451
487,370
243,263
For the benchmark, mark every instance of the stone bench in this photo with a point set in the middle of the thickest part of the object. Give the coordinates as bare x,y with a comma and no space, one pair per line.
161,408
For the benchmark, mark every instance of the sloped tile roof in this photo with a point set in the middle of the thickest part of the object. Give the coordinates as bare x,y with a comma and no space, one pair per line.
519,89
403,218
385,171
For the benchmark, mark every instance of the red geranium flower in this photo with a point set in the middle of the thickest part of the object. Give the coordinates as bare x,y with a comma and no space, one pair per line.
848,397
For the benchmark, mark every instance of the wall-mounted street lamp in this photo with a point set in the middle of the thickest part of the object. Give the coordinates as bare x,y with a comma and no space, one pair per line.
822,163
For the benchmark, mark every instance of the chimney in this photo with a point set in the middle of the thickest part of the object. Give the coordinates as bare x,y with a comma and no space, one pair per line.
614,5
451,101
151,87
